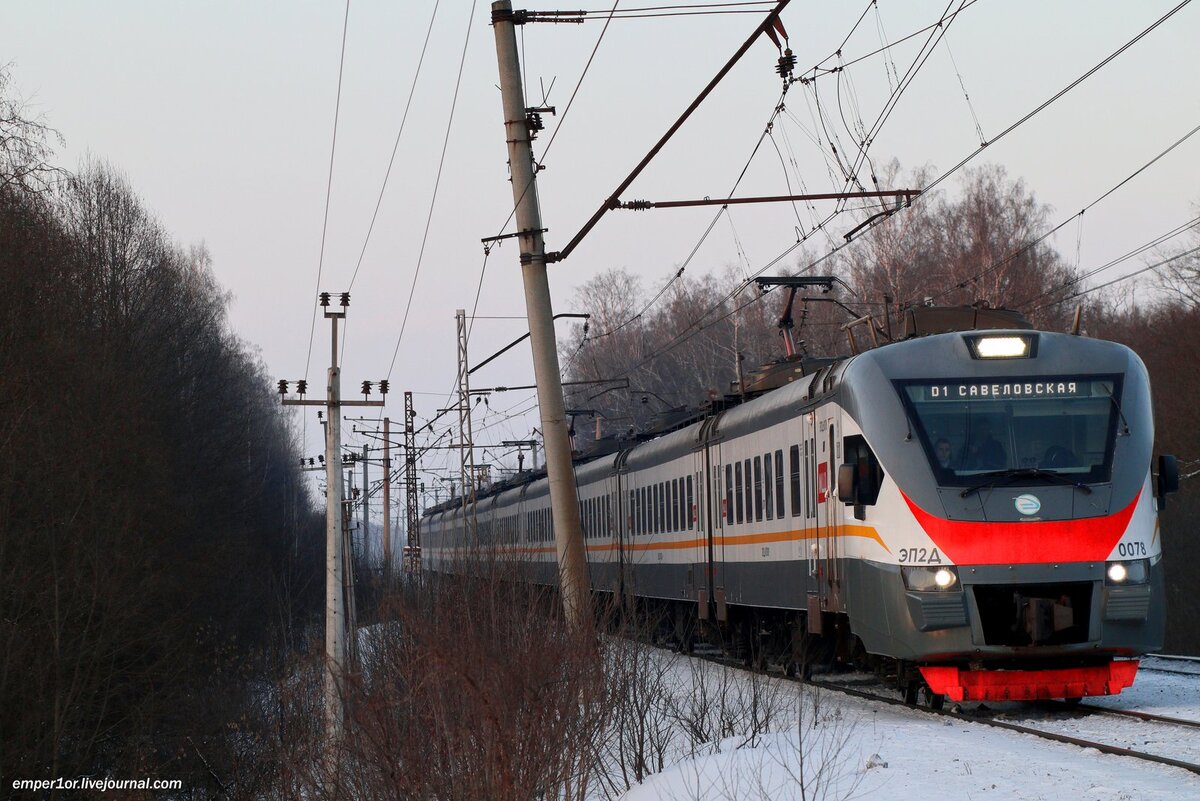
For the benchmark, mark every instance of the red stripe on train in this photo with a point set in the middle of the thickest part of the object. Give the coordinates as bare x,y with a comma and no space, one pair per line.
982,543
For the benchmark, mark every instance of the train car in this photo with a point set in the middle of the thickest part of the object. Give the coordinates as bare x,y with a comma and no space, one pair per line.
970,510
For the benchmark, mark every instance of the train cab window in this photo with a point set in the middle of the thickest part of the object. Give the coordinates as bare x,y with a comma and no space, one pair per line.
1059,424
737,481
769,486
794,458
867,475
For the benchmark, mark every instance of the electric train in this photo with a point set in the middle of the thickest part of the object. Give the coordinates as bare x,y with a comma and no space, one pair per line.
970,510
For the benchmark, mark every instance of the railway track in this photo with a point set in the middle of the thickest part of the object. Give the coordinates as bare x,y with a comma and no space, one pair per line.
1178,665
1132,713
974,716
1106,748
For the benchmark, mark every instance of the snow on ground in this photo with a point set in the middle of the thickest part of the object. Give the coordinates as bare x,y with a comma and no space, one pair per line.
1156,691
845,747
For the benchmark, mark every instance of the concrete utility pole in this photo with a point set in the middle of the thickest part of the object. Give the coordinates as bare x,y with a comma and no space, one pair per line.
335,534
564,501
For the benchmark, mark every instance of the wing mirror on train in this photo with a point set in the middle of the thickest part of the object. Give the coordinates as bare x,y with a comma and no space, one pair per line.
1168,478
860,478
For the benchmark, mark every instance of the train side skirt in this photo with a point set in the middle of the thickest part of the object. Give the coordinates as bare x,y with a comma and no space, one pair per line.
1030,685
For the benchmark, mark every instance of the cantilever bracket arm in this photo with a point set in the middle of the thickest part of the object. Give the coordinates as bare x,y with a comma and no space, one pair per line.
613,200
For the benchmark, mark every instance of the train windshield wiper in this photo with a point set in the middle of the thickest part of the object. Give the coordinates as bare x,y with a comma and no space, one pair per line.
1012,474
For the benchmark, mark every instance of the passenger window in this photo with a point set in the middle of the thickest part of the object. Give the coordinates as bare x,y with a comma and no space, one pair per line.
690,504
779,510
737,480
758,489
729,494
794,457
749,492
769,485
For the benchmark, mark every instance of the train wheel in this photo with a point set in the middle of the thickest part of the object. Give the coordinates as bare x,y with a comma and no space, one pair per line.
932,700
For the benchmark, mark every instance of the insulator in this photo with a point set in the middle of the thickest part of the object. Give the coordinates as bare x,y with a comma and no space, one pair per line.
321,459
302,461
302,386
324,300
534,122
787,63
346,295
366,388
283,387
310,461
383,387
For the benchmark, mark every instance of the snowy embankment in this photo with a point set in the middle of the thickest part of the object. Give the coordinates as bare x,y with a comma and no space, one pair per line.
824,745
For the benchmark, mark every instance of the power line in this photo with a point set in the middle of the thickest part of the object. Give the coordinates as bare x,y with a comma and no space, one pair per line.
328,187
395,146
437,182
1060,93
1024,248
1154,266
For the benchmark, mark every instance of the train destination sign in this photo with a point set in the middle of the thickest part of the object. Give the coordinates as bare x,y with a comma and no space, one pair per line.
1006,390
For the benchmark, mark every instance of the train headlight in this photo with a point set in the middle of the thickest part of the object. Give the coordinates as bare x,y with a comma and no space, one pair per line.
1010,346
930,579
1132,571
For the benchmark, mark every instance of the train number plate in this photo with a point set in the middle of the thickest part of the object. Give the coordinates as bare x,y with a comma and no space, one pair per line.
920,556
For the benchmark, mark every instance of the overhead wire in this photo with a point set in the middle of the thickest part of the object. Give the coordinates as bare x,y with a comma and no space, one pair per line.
337,107
436,185
1081,277
1125,277
395,145
995,265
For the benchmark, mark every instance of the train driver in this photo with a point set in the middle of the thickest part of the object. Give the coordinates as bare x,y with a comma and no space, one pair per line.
944,452
985,450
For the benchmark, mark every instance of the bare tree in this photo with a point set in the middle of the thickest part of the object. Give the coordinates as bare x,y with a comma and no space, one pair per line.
25,144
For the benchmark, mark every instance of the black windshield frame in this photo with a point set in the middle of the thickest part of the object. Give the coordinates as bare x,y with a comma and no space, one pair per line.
966,475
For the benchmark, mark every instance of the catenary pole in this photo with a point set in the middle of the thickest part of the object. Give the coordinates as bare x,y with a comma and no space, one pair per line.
568,539
366,513
387,499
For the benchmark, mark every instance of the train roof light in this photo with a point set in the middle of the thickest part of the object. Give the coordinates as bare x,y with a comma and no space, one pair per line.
1001,347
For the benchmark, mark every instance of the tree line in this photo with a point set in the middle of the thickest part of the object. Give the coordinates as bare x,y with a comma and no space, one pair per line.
159,549
692,338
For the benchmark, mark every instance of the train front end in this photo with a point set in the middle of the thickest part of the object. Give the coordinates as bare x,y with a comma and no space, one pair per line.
1019,511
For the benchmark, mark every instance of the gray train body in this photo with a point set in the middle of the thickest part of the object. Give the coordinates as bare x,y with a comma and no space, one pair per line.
943,506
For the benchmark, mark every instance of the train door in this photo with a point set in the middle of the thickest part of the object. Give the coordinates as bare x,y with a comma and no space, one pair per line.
719,515
829,525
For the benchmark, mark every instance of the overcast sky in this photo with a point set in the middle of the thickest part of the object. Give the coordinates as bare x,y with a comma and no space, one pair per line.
221,114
